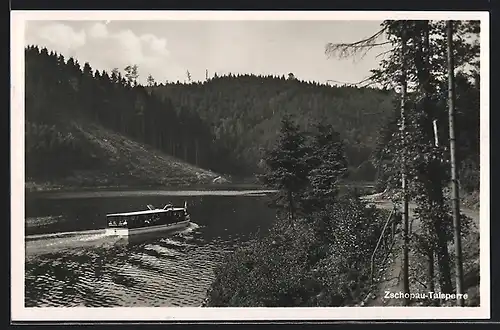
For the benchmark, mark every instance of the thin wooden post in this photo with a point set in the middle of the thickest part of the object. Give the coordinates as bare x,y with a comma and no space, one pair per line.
454,171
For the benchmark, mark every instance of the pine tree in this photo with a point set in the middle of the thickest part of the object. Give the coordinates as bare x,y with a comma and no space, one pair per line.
132,74
327,166
150,80
287,165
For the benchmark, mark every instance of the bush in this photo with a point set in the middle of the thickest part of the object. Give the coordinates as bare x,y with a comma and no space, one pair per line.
270,272
323,260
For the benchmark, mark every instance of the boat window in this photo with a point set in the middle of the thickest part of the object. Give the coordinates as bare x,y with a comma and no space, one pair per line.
155,218
145,219
115,221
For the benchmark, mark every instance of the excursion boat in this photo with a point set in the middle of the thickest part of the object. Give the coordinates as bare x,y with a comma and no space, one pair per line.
151,220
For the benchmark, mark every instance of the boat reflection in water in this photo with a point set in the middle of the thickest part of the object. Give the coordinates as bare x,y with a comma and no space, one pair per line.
137,226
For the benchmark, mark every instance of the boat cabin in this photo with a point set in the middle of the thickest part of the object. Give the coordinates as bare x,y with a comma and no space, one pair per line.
147,218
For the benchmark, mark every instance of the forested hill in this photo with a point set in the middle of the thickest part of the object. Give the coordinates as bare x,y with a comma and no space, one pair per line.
245,113
221,125
83,121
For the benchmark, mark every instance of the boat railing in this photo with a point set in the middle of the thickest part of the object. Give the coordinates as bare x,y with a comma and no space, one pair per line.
166,207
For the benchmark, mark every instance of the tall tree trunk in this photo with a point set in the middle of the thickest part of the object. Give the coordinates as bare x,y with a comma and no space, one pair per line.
427,92
406,282
454,171
430,271
434,187
444,267
443,255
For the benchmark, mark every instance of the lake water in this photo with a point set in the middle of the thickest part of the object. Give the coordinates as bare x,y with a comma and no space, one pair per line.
69,262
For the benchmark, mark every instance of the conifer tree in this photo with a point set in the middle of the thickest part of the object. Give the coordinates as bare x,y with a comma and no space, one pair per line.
287,165
327,166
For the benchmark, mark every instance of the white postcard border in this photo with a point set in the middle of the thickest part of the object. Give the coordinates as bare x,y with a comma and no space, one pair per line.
21,313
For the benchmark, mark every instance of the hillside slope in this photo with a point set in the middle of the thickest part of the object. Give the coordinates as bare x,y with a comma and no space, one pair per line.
59,90
120,162
245,112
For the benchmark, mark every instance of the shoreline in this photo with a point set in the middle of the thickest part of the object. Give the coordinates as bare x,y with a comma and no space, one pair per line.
33,188
51,187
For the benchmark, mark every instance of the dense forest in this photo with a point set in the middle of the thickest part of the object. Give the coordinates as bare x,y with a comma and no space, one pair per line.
60,91
222,124
245,113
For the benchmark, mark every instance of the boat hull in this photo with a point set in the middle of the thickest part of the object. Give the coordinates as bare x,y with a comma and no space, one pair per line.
145,230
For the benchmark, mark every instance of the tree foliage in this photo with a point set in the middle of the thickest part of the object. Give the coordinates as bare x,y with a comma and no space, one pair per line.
305,166
328,165
245,112
287,163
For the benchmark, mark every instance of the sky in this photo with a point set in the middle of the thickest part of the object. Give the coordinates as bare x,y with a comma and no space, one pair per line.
168,49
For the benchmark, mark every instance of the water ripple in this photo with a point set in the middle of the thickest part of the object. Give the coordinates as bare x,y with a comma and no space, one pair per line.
167,272
70,262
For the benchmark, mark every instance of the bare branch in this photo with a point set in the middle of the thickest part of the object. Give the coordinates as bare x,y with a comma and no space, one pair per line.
344,50
369,83
383,53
